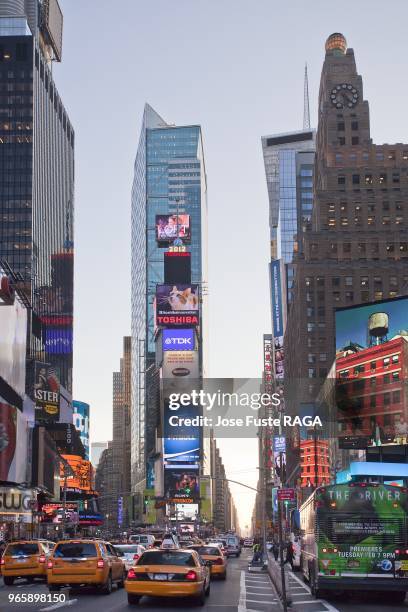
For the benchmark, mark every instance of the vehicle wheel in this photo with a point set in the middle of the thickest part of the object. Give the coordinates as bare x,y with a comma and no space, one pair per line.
133,600
398,597
208,589
121,583
201,598
223,576
8,580
30,579
107,587
53,588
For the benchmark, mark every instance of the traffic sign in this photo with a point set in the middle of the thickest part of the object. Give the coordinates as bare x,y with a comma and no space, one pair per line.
286,494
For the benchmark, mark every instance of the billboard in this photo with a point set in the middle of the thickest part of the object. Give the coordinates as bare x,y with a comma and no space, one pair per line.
53,512
52,24
177,305
13,325
81,422
180,371
371,395
82,474
58,340
277,319
177,267
13,444
178,339
184,512
46,392
181,443
182,482
171,227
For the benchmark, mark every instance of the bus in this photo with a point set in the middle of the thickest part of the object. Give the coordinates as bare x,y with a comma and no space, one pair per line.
354,537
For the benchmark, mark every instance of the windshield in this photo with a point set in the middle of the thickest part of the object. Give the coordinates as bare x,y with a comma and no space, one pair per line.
167,558
128,549
75,550
208,550
22,549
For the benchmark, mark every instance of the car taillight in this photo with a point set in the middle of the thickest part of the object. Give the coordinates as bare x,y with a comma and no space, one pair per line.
406,552
49,565
218,561
136,557
41,559
397,552
100,563
2,562
191,575
131,574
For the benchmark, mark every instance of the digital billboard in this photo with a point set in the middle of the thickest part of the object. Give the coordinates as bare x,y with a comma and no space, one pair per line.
177,305
46,392
171,227
82,474
181,443
58,340
13,326
13,444
53,512
371,399
177,267
180,372
277,319
81,423
178,339
182,482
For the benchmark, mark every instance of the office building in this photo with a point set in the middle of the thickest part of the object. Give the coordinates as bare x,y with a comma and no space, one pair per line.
97,449
356,249
169,180
37,178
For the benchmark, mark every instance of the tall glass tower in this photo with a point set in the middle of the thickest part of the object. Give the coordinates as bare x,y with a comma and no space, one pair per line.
37,177
169,178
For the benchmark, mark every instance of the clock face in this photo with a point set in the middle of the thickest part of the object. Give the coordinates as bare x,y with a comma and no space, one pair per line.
344,96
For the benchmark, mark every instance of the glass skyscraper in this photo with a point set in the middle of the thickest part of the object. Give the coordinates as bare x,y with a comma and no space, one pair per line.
37,178
169,178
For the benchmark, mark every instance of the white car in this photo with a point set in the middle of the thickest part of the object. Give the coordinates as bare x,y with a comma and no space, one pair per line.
145,539
129,553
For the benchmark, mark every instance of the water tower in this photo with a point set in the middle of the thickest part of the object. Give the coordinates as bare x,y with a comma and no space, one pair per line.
377,328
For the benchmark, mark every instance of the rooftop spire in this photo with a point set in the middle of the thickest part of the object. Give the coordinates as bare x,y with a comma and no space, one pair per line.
306,109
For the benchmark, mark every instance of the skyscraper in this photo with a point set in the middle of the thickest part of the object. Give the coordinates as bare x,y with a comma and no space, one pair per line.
169,179
356,249
37,174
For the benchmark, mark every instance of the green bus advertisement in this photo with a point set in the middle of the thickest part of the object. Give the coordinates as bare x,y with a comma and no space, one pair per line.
354,537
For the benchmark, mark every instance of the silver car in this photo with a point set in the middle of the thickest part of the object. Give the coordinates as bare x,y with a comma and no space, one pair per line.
129,553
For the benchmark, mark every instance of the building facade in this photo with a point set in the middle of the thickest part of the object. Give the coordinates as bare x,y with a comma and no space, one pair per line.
37,177
356,249
169,178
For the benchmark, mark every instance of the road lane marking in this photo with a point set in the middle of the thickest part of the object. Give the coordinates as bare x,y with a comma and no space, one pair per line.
274,603
329,607
61,604
242,594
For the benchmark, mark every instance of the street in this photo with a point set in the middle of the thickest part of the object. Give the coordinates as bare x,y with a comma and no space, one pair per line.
241,591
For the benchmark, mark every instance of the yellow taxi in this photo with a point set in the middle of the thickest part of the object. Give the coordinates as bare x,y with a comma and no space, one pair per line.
168,573
25,559
85,563
215,559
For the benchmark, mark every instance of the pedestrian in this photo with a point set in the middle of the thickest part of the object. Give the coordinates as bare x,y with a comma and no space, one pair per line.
289,554
275,550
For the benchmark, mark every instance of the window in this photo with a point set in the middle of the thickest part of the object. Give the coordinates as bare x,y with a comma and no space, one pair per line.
386,379
396,396
341,126
320,281
346,247
341,180
312,372
365,296
395,359
364,281
348,281
383,178
395,177
387,399
386,220
386,361
395,376
356,179
391,155
354,125
342,141
336,296
361,248
311,358
373,382
339,157
368,179
386,205
349,296
372,401
336,281
379,156
355,140
373,365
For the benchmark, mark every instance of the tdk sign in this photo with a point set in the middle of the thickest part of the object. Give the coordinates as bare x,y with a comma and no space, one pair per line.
178,339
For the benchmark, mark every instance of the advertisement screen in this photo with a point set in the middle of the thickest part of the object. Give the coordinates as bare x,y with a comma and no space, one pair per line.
177,305
170,227
46,392
178,339
371,362
81,479
54,512
181,482
58,340
81,423
185,512
13,444
180,371
13,325
177,267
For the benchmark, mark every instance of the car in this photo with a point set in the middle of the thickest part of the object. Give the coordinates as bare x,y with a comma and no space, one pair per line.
129,553
25,559
248,543
170,541
216,560
168,573
233,546
85,562
218,544
145,539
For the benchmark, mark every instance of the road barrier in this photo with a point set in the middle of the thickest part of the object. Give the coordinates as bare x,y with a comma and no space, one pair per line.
274,570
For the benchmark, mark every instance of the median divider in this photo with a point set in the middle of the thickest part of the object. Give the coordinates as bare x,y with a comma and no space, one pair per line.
274,570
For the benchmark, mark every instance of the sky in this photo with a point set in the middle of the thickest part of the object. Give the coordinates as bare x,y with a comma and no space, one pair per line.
235,67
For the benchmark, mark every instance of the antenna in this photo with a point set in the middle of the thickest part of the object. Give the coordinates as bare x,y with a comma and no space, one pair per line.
306,109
